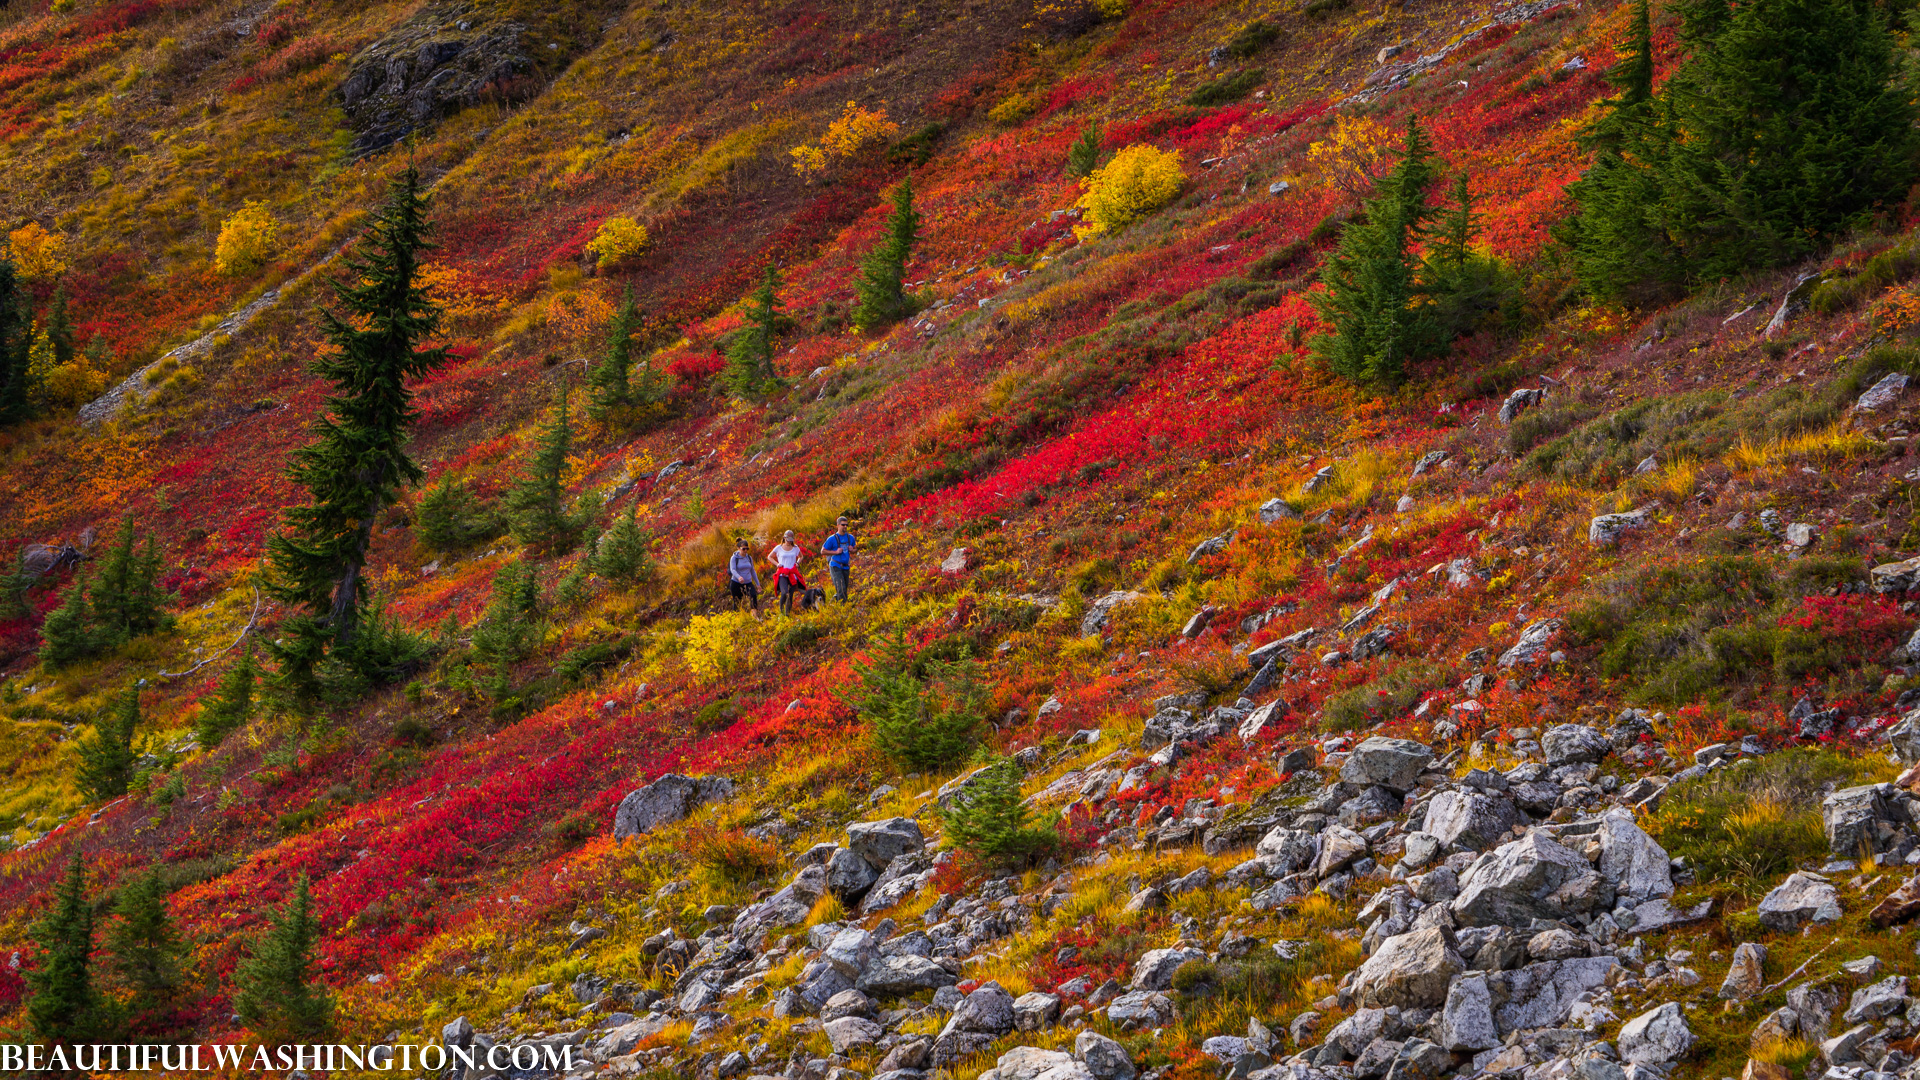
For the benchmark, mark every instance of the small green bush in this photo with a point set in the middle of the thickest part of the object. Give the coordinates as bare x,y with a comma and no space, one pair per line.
987,817
1747,824
924,713
1845,291
1251,38
451,519
1226,88
1383,699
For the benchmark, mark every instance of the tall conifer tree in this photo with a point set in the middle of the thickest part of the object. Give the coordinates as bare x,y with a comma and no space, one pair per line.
65,1006
357,463
276,995
884,269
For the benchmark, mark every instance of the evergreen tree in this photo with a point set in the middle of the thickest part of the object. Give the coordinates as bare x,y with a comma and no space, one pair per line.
609,384
989,818
146,955
924,713
882,271
59,328
274,995
1788,124
1792,124
17,392
65,1007
1465,289
508,631
623,556
537,512
127,598
1084,155
451,518
1372,278
68,633
232,703
357,463
750,354
106,755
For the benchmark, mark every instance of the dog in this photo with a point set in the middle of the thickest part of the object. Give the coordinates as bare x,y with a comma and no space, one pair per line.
813,597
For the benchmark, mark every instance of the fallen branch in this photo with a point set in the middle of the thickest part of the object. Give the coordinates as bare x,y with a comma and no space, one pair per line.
1795,973
252,621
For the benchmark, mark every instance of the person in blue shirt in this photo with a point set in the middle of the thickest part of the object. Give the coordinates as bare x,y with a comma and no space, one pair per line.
838,549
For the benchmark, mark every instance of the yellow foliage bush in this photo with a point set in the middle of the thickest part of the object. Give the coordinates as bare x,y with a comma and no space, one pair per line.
1139,180
1353,154
719,645
1015,108
70,385
1110,9
246,240
619,238
854,129
37,253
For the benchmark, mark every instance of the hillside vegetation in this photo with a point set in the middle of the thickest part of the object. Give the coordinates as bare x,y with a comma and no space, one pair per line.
1385,535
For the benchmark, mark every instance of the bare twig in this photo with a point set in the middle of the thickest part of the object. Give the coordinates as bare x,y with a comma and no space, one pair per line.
252,621
1795,973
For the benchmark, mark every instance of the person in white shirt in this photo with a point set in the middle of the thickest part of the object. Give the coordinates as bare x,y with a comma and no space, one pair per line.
785,558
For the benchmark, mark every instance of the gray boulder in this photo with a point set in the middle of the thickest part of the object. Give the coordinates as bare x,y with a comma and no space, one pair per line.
666,800
1573,744
1466,1020
849,876
1746,975
902,878
1519,401
1140,1009
881,842
1802,898
1470,820
1543,994
850,951
1033,1063
1605,530
1155,968
902,975
1657,1036
1410,970
1861,819
1289,850
792,904
1883,393
1390,763
851,1033
1895,577
1035,1010
1635,865
1340,847
986,1011
1878,1000
1532,645
1276,510
1104,1058
1532,877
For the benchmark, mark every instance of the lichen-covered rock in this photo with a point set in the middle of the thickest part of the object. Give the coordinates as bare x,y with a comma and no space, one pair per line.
1410,970
664,801
1532,877
1801,899
1390,763
1657,1036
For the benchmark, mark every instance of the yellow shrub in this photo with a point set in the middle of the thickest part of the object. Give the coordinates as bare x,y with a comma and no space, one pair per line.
36,252
1139,180
73,384
855,128
719,645
1353,154
1110,9
246,240
1013,110
619,238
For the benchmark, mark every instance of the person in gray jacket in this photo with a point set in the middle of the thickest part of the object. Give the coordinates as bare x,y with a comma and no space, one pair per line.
743,580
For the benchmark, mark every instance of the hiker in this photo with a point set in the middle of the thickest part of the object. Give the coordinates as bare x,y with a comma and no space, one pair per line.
839,551
743,581
785,558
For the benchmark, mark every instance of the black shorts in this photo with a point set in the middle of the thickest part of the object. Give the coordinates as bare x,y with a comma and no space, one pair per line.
738,589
